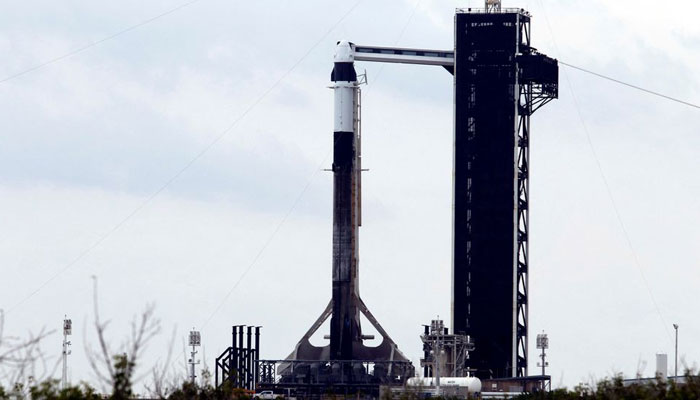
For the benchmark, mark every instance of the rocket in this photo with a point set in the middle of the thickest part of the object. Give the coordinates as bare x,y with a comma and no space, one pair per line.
346,307
345,320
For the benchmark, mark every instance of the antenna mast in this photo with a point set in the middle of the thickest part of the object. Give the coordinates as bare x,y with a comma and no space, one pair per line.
543,344
67,331
195,341
493,6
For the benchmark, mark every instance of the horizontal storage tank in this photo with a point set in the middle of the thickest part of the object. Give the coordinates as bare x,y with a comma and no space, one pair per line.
472,384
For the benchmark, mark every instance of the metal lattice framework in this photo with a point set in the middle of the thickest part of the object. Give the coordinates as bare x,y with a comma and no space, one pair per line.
533,94
493,5
454,350
523,217
531,98
522,263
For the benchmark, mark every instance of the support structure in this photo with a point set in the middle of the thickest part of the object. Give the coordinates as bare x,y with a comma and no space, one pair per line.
444,354
195,340
493,5
500,80
67,331
675,370
238,363
543,344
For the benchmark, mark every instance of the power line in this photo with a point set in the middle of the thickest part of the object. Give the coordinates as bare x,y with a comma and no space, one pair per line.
616,210
244,114
629,84
266,244
604,178
93,44
398,38
193,160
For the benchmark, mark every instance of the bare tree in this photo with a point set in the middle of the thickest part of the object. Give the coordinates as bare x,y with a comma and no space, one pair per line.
22,361
163,380
205,379
117,369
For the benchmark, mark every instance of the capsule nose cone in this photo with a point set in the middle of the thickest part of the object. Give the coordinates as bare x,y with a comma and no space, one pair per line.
343,52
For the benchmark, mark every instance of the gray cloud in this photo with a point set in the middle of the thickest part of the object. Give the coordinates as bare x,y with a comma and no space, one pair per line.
86,140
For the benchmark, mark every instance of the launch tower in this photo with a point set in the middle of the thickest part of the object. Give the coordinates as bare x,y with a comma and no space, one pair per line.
500,80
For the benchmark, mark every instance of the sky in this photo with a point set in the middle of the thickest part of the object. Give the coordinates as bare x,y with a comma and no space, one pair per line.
180,164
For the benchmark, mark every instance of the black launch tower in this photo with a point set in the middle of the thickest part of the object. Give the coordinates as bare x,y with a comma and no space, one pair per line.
500,80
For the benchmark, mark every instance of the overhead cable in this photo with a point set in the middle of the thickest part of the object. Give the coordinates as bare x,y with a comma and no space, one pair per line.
608,190
630,85
294,205
95,43
185,167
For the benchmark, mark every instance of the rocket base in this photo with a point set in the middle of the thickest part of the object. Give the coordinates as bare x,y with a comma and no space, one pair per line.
369,367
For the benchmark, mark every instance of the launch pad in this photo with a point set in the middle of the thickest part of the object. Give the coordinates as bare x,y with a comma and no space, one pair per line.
500,80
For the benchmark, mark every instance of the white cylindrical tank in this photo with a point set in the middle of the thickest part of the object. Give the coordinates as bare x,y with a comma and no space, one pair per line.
661,366
472,384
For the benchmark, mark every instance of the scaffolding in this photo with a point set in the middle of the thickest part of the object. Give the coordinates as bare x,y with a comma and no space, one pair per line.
444,354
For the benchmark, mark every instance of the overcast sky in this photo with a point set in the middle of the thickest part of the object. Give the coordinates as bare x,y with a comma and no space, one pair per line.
89,139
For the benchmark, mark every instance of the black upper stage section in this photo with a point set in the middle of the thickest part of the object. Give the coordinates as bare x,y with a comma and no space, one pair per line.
494,66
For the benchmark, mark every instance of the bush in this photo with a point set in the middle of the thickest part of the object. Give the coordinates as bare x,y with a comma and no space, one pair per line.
615,389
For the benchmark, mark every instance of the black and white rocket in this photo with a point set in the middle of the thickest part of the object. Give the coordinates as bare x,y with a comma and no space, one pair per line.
346,306
345,321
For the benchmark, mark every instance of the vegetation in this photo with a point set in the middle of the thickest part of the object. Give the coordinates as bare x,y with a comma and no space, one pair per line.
49,390
121,388
24,374
609,389
615,389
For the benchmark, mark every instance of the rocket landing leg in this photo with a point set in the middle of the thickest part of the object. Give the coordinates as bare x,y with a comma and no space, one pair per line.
387,350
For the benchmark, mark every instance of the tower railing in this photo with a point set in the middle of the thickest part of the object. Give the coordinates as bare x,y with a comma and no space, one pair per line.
509,10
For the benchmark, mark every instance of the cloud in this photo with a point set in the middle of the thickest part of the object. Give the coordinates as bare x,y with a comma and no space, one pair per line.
88,139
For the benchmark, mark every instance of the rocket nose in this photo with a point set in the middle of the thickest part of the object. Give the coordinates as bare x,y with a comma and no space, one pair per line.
343,52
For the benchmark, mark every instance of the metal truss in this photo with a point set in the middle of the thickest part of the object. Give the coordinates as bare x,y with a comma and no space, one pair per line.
534,92
531,98
525,104
521,284
453,350
493,5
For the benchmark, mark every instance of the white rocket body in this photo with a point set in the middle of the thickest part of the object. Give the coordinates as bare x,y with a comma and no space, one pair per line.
344,107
